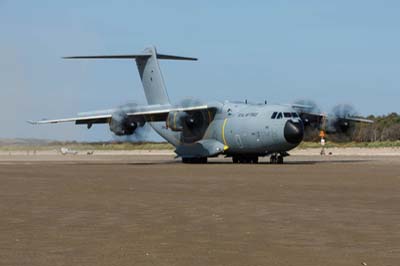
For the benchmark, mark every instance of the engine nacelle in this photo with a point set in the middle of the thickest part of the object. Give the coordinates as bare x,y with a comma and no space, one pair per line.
337,125
175,120
121,125
193,125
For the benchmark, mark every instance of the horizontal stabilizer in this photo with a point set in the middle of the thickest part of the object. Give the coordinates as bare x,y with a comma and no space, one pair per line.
128,56
132,56
174,57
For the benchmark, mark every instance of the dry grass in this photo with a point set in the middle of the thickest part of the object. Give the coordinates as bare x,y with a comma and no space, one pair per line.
91,146
377,144
166,146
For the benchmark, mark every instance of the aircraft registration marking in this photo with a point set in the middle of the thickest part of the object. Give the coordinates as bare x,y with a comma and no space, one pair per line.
247,114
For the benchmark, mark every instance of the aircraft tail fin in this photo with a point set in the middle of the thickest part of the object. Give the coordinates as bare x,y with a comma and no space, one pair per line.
149,71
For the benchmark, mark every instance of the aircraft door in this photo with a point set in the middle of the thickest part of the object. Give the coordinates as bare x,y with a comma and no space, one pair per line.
239,141
269,135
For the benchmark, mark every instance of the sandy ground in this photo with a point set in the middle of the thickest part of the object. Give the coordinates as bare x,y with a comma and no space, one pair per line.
153,210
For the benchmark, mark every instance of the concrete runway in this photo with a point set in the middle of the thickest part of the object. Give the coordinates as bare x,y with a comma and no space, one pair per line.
152,210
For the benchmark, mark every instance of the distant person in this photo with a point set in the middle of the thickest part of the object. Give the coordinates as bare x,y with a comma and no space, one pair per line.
322,146
322,136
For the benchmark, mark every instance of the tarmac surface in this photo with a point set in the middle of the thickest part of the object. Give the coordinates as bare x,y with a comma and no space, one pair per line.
153,210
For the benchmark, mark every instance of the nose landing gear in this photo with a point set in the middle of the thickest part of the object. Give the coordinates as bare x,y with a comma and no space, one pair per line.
276,159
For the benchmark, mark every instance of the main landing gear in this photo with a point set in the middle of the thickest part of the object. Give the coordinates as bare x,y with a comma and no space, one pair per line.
276,159
194,160
245,159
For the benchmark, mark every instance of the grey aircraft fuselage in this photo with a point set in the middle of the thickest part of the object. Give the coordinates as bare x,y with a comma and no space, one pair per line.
246,128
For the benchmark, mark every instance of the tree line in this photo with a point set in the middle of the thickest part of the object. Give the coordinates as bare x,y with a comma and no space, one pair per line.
384,128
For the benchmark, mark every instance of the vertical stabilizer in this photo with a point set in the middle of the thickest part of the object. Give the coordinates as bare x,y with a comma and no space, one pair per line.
152,79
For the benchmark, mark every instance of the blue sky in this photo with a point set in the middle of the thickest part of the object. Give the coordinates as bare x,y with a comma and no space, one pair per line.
329,51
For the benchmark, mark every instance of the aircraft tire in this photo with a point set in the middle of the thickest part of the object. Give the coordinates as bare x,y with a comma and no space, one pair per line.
243,159
255,160
235,159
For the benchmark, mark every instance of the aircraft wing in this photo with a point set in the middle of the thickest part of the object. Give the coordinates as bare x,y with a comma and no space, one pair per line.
146,113
97,119
318,117
161,114
358,119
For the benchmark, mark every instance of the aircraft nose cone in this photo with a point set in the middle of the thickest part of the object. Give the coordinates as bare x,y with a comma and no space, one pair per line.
294,132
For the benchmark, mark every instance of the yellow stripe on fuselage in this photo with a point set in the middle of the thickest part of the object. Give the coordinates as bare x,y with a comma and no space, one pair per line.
175,113
209,116
223,131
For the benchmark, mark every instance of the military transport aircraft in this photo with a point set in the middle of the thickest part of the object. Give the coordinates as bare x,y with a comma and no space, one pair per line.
242,131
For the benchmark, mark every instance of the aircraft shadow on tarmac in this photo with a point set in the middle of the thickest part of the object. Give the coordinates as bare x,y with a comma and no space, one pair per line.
301,162
227,162
230,163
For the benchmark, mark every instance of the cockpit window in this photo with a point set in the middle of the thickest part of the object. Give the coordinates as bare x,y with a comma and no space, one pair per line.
276,115
287,115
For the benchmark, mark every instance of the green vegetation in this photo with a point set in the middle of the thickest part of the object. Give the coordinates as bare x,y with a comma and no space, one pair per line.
385,128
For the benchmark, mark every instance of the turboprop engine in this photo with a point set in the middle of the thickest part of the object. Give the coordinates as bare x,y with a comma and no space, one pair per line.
337,125
338,122
192,125
175,120
121,124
